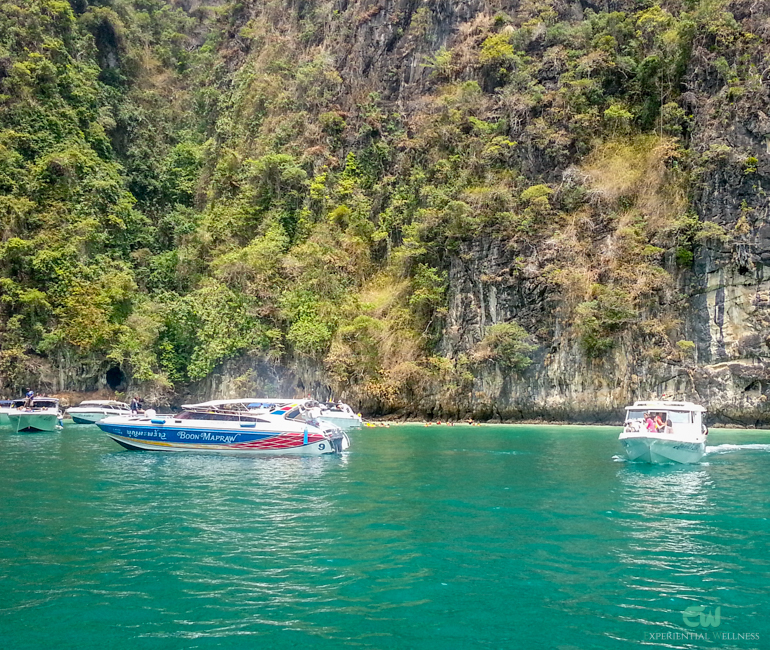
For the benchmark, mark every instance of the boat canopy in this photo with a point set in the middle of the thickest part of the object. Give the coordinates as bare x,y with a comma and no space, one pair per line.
245,404
660,405
224,416
39,402
102,402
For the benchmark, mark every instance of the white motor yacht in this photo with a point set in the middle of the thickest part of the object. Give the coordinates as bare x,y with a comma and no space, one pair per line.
41,414
92,411
681,438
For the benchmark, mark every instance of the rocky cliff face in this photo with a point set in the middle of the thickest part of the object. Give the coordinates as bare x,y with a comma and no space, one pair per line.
423,171
720,302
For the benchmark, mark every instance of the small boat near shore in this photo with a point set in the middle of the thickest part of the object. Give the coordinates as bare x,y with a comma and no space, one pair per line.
42,414
227,432
681,439
92,411
340,414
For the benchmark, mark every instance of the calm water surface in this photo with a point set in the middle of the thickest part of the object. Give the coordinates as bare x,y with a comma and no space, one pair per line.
483,537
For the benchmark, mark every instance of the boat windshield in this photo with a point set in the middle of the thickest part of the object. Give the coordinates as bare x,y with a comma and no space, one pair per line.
680,417
38,403
634,415
300,414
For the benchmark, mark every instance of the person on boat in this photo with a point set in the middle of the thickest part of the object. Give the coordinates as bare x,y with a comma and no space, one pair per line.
29,403
669,426
649,423
135,405
660,425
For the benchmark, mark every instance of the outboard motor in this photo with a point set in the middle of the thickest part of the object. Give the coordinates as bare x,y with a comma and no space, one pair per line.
336,436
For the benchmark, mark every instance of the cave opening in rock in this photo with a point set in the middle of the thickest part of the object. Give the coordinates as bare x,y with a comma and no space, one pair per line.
115,377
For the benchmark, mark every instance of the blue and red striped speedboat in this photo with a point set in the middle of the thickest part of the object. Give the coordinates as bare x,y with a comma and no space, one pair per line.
285,431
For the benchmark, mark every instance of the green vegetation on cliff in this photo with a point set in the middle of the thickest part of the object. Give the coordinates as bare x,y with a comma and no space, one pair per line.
183,183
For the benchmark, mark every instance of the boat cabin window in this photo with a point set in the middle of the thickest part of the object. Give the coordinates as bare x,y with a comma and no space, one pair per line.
680,417
634,415
300,414
294,413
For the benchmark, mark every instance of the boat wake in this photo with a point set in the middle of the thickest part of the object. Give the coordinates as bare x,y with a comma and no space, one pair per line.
728,448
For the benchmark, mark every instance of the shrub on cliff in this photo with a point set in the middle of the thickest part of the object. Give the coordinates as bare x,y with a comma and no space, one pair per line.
505,344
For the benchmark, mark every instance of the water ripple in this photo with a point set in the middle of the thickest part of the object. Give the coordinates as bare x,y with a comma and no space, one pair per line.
513,537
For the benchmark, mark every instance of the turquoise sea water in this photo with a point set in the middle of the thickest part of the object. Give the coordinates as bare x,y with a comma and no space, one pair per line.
440,537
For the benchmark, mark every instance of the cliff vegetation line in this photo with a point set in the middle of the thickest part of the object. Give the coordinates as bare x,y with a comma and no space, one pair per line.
499,208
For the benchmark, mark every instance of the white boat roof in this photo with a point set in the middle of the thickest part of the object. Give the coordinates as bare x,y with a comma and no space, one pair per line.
665,405
102,402
37,400
217,403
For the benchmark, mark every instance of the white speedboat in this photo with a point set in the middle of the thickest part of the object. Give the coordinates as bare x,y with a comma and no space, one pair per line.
227,432
681,439
42,415
92,411
341,415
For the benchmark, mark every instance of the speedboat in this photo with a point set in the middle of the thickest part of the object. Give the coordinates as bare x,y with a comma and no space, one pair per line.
682,439
92,411
5,407
227,432
341,414
42,414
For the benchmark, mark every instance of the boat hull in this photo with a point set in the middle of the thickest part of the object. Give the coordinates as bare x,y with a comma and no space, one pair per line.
4,419
661,451
30,422
86,418
224,441
343,423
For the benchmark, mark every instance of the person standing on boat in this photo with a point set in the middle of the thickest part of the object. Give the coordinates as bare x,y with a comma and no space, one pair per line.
649,423
660,425
29,403
135,405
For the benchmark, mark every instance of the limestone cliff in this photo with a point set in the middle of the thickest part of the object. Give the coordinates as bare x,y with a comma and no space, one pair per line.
444,209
